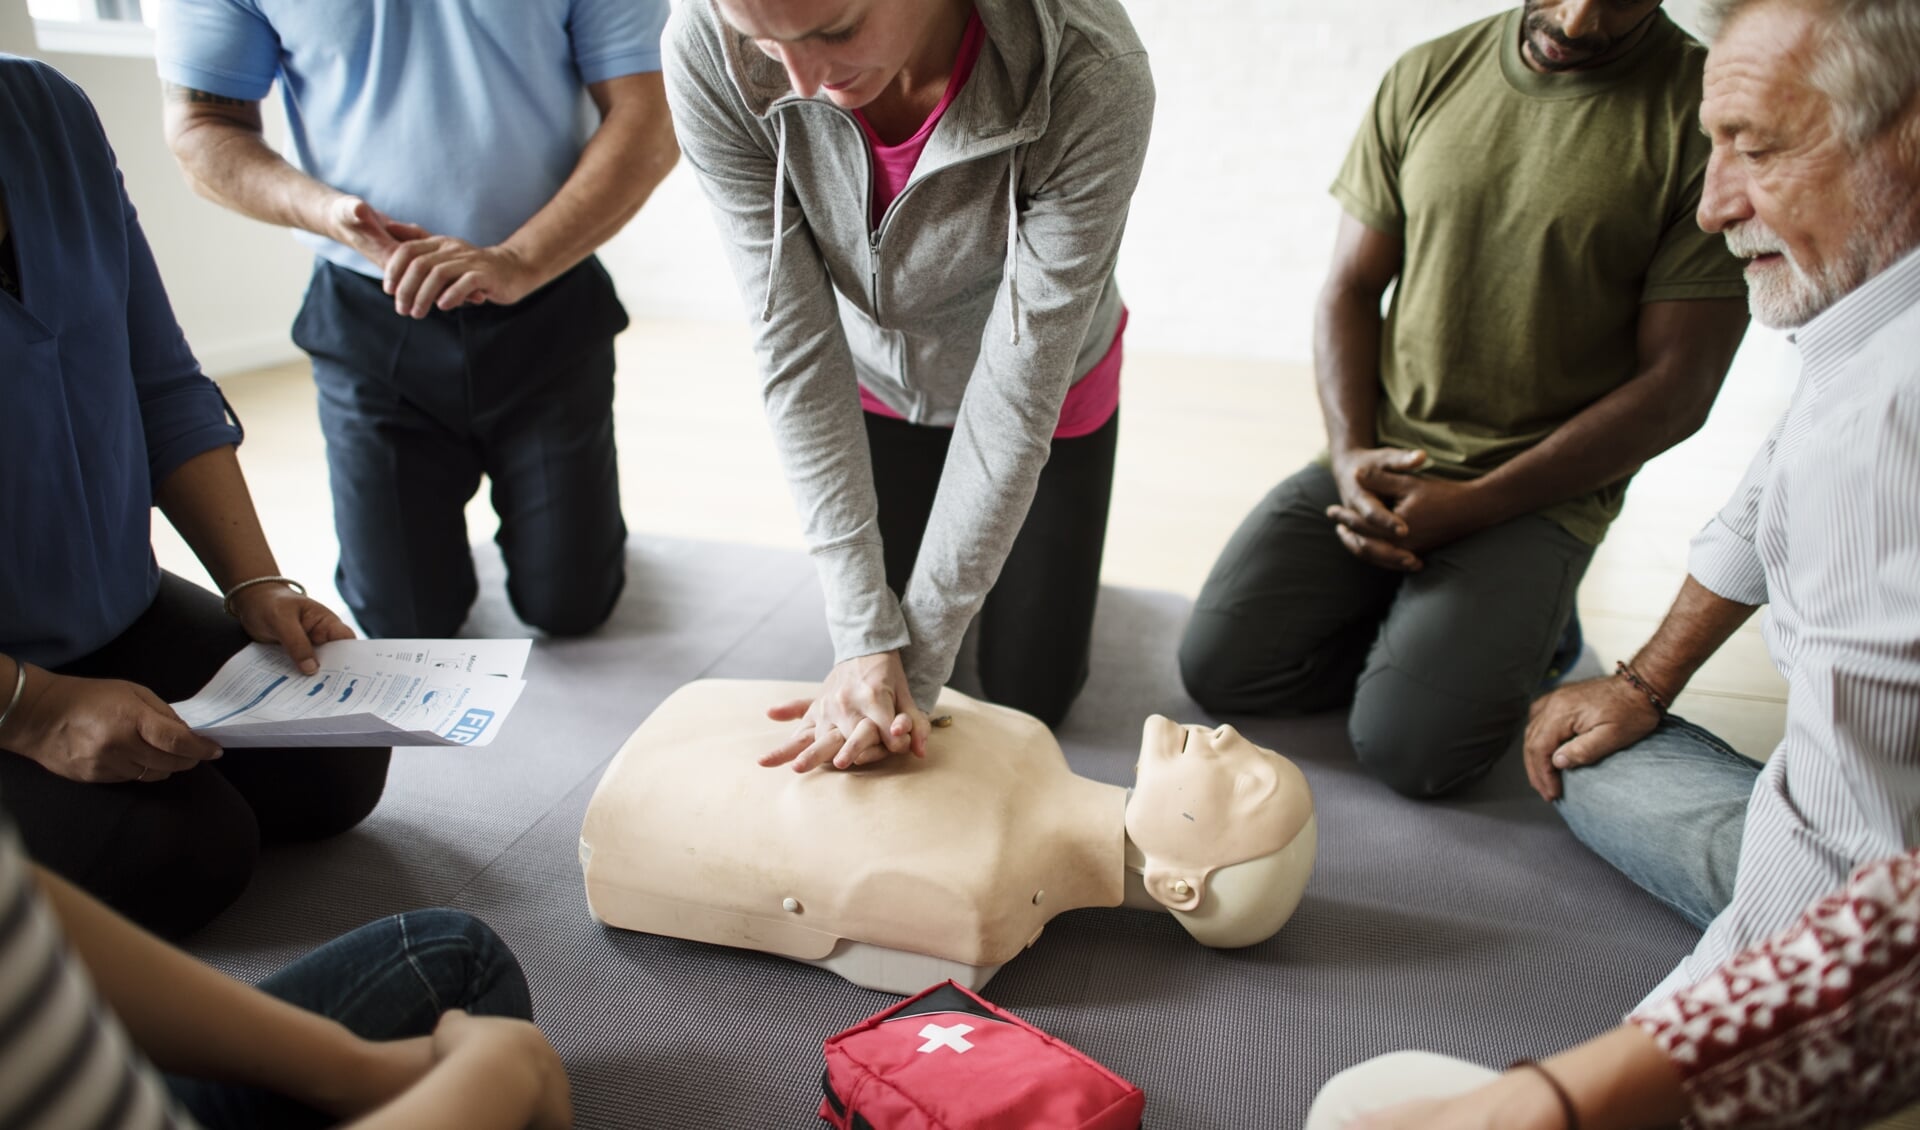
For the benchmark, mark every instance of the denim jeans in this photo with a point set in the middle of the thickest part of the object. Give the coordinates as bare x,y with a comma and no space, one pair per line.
1668,811
387,980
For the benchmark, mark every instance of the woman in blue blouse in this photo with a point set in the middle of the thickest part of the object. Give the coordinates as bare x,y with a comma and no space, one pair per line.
104,414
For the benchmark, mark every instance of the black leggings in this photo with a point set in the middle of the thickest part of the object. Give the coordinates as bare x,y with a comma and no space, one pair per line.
172,854
1036,627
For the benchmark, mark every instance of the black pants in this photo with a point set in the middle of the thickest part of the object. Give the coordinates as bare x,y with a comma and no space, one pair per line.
172,854
1036,627
415,412
1440,665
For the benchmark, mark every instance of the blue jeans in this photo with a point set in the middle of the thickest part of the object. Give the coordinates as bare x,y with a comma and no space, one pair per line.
387,980
1668,811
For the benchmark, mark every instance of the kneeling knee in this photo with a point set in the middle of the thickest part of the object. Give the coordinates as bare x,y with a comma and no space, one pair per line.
1213,675
1414,757
411,623
341,791
562,613
563,624
177,873
468,965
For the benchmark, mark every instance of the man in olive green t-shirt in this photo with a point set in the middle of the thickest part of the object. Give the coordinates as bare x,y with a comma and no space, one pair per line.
1530,183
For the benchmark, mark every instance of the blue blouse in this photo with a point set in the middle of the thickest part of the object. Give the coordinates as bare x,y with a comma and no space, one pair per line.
100,398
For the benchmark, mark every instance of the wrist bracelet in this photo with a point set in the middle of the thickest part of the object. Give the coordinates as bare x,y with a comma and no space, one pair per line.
19,689
226,602
1559,1092
1625,670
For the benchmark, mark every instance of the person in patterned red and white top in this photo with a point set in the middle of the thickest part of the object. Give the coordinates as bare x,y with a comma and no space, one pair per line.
1817,1026
1812,1028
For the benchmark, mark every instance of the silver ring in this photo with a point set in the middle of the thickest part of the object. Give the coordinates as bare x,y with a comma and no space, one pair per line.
143,774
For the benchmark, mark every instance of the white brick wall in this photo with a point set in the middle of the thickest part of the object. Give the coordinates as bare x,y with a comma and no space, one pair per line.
1232,226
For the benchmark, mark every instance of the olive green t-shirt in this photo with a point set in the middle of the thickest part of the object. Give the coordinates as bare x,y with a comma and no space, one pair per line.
1538,213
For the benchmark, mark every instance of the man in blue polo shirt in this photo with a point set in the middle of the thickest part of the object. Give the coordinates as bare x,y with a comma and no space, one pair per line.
453,194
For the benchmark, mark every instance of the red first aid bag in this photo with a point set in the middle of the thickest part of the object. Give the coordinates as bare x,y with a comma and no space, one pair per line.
947,1060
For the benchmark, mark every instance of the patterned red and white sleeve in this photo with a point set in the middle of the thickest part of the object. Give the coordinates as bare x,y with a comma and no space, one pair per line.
1818,1026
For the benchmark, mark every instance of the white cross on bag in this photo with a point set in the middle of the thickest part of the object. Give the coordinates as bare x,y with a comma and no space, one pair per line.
953,1036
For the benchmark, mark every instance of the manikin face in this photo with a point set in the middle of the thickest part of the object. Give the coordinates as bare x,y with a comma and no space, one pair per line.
1813,218
1568,35
852,49
1203,799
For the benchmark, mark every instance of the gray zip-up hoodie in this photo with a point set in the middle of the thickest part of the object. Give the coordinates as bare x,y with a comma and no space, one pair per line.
985,292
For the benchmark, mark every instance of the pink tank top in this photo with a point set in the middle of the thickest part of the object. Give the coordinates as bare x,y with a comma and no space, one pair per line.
1092,401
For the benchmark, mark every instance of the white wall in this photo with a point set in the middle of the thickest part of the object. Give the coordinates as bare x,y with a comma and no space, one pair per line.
235,284
1228,239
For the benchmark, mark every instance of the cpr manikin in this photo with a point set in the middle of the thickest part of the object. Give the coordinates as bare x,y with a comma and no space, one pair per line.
908,871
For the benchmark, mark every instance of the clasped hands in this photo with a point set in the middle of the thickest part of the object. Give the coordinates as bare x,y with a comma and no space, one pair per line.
423,271
104,731
1388,515
865,713
349,1076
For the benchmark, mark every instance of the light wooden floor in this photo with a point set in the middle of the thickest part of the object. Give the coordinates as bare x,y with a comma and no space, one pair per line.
1201,440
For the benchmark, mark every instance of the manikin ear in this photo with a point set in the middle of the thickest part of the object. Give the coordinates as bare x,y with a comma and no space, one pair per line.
1175,890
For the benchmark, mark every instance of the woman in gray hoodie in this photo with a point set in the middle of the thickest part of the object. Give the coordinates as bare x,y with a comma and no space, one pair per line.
922,201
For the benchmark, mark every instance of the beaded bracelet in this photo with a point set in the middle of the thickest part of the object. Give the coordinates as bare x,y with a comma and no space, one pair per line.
226,602
1625,670
1559,1092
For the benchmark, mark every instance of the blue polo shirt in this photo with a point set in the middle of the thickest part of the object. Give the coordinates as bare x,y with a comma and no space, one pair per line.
100,397
462,116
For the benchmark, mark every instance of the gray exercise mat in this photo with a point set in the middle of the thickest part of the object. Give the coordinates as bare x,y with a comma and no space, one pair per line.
1477,927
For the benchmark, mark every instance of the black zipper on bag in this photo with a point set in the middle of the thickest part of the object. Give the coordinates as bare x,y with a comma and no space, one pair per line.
840,1108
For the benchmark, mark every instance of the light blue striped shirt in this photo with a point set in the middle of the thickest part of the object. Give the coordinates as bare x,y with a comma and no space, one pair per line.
1825,530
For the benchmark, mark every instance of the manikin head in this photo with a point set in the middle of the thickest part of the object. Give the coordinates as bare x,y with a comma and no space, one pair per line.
1572,35
1814,111
851,49
1223,830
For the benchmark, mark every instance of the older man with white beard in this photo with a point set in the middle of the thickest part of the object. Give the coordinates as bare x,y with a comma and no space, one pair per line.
1814,111
1795,1009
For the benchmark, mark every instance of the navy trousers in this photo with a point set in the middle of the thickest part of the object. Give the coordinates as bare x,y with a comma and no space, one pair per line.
416,411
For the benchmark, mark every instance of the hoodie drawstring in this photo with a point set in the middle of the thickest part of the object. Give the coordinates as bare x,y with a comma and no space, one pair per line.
1013,240
779,215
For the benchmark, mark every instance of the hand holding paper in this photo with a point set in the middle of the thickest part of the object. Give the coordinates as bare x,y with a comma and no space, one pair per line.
366,693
